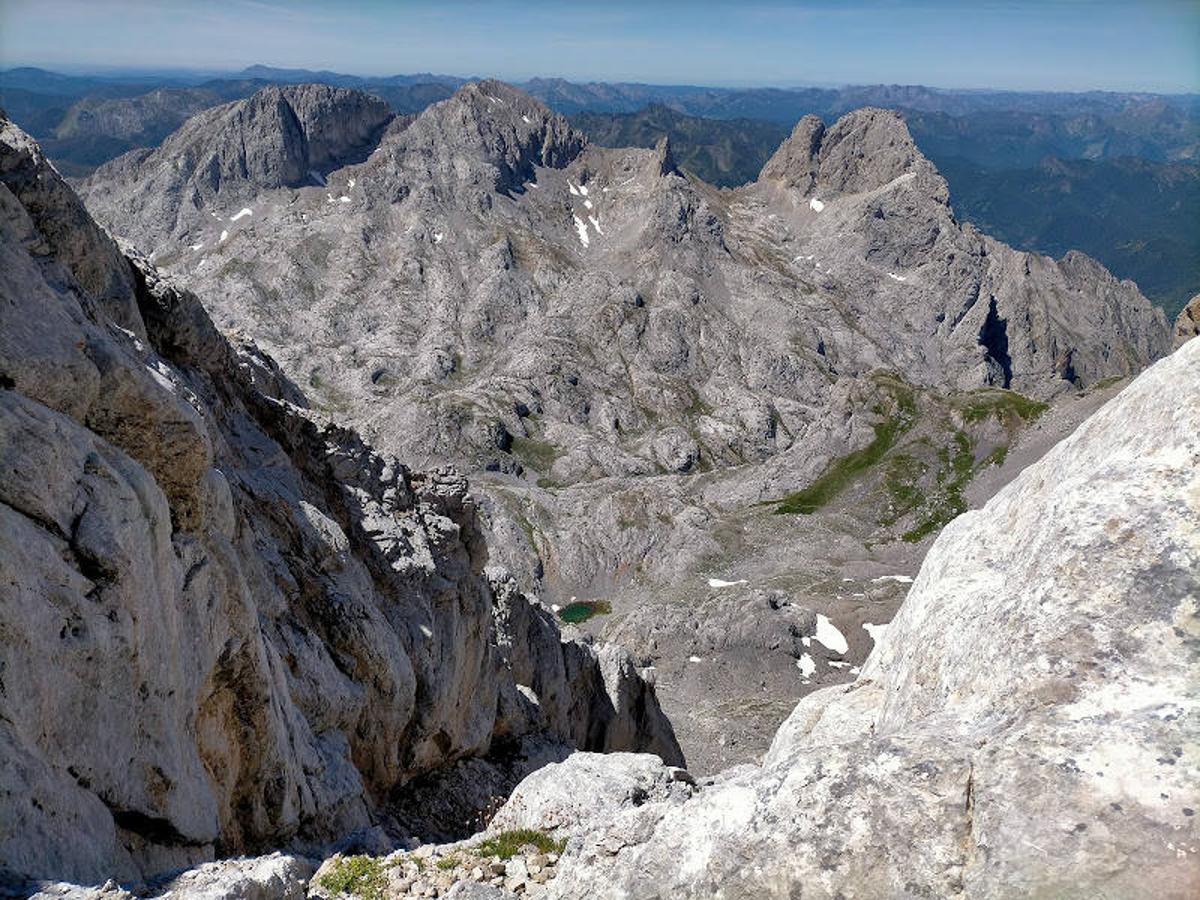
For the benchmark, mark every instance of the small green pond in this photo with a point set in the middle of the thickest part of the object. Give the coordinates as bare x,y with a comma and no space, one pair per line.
582,610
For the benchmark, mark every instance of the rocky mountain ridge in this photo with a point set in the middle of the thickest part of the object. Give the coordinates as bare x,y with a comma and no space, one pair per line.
631,362
227,623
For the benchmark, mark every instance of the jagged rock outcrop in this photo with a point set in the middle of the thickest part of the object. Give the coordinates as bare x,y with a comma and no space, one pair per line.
1187,324
1029,725
225,623
280,136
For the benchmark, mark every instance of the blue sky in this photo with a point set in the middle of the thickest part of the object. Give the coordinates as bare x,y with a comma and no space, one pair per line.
1052,44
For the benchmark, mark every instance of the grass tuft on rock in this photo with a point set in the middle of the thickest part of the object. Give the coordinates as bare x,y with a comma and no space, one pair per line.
508,844
359,876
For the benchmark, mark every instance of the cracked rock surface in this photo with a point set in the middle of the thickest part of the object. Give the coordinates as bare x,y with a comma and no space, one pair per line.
226,623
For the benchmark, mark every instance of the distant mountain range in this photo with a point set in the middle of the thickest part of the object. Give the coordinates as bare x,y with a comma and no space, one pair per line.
1113,174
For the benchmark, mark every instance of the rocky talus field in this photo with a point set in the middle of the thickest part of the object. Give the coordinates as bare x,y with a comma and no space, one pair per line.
442,506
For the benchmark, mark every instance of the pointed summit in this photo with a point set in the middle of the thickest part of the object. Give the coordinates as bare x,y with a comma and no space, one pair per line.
864,150
493,124
666,159
794,164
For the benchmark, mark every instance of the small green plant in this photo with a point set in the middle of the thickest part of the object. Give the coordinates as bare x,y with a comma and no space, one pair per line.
448,862
508,844
360,876
582,610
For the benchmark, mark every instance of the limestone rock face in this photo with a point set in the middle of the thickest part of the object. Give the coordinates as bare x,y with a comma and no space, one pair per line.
1187,324
1029,725
627,360
279,136
225,623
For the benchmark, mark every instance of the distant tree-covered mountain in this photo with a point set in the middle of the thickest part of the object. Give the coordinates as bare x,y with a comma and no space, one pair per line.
1140,218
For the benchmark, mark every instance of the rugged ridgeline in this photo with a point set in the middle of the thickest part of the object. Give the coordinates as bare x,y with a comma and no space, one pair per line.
225,623
631,361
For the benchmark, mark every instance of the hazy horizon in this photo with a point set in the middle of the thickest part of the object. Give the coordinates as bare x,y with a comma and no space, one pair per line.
1059,45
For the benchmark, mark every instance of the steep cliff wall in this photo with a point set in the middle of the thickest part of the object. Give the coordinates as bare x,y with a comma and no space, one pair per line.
226,624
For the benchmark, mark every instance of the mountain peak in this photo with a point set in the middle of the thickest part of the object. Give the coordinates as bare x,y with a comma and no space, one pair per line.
496,125
863,150
795,163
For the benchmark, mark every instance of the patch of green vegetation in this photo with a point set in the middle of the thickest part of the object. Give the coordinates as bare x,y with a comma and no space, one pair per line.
901,480
538,455
841,472
581,610
508,844
1107,382
954,473
995,458
1003,405
359,876
448,862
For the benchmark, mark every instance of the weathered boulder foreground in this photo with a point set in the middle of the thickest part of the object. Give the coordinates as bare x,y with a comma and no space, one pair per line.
1028,727
225,624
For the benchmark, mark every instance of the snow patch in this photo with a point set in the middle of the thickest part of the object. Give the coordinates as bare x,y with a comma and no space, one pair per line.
719,583
829,635
695,659
197,246
224,235
876,632
582,230
595,224
241,214
526,120
350,183
839,664
574,190
587,204
344,198
816,205
895,277
437,237
161,378
583,190
901,579
807,665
